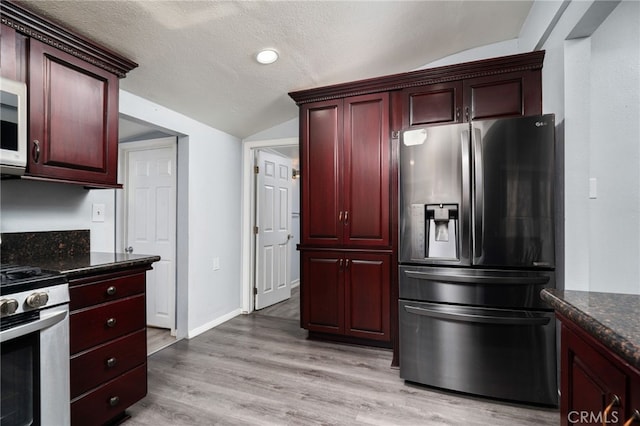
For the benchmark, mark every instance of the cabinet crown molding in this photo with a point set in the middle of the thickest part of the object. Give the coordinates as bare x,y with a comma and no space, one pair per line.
51,33
486,67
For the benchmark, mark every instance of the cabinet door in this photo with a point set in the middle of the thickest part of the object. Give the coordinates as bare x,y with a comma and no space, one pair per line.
321,128
73,118
503,95
323,292
366,170
432,104
367,287
589,383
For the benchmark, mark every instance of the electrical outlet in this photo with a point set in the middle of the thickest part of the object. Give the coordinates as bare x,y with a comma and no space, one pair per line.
216,263
97,212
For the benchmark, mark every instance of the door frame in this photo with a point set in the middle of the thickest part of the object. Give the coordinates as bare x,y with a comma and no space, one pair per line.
121,200
248,193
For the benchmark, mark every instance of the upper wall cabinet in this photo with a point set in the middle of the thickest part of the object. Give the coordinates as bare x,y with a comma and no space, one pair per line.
504,94
72,86
439,103
73,120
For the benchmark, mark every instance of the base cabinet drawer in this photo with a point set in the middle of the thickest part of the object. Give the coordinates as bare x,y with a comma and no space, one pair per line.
110,399
94,326
108,361
107,290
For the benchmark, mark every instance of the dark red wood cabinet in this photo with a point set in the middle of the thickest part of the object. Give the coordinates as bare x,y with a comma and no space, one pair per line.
108,344
346,208
347,293
73,118
502,95
597,387
72,86
346,155
433,104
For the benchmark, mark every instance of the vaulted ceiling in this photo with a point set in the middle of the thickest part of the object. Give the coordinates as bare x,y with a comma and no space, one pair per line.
198,57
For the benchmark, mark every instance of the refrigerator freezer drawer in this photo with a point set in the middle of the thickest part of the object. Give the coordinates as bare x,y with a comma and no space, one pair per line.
480,287
506,354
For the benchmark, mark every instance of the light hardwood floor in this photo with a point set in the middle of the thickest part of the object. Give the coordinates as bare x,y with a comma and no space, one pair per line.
158,338
260,369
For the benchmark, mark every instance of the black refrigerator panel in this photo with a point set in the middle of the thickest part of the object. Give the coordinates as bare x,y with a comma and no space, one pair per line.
508,289
513,192
435,195
492,352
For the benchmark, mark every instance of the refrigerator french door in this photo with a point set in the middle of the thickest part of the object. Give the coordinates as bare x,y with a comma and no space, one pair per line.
476,248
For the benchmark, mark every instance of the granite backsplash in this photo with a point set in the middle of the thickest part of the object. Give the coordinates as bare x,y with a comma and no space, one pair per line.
48,244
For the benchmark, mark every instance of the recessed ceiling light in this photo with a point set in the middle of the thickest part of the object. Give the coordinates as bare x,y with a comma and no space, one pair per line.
267,56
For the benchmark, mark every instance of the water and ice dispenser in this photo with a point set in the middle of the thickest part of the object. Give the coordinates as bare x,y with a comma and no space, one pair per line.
435,231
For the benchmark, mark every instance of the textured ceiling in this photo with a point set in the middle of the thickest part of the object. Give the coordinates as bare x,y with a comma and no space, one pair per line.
197,57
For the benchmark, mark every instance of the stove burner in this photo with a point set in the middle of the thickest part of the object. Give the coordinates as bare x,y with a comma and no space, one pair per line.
16,273
16,278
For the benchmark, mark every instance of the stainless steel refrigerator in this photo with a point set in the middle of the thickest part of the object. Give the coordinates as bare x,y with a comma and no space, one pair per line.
476,248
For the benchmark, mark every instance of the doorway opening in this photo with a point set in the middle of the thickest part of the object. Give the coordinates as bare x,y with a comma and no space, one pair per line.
287,148
148,171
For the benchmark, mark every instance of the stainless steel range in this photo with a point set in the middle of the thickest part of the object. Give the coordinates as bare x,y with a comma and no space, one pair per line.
34,338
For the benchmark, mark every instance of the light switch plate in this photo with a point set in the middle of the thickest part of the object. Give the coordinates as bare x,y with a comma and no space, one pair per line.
97,212
593,188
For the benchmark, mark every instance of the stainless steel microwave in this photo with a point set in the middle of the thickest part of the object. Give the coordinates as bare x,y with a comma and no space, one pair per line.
13,133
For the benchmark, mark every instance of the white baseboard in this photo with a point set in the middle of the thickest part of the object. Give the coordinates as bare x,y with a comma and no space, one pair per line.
295,283
211,324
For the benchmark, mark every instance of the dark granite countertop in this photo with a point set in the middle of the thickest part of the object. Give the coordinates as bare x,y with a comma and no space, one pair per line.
67,252
91,263
613,319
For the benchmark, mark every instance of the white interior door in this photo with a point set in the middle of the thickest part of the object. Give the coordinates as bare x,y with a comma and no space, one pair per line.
273,219
150,193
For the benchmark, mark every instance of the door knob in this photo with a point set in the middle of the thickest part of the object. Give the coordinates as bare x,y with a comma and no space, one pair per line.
128,250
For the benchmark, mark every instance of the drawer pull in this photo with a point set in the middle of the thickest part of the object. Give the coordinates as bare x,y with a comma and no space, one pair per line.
111,362
111,322
114,400
615,401
634,418
111,290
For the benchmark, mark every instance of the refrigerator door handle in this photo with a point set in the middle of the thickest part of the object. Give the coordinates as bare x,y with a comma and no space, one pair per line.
478,196
464,246
485,319
476,279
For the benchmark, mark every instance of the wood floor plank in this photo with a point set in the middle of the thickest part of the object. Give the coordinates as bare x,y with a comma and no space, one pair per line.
261,370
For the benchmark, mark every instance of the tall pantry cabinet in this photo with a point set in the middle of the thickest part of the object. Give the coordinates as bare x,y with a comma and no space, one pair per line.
346,254
350,135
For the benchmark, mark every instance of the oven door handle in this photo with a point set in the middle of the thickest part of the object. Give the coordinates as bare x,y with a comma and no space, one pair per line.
486,319
46,320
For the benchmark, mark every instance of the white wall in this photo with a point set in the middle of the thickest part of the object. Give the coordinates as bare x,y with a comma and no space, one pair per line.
30,206
288,129
614,145
208,215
